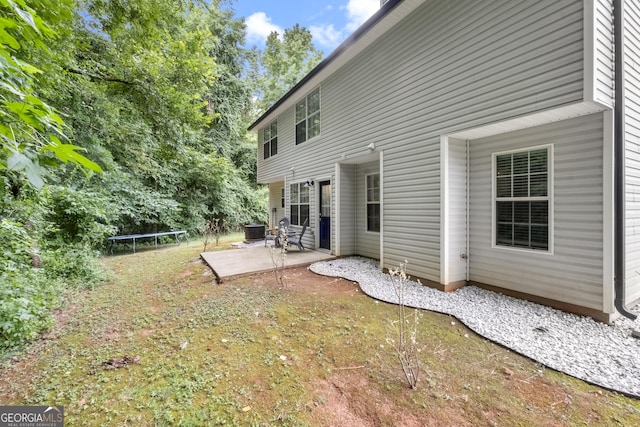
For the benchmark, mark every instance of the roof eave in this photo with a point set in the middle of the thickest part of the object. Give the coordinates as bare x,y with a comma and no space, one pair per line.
339,51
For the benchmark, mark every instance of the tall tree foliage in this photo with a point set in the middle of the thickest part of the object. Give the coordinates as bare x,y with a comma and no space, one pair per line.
154,91
32,137
30,129
284,62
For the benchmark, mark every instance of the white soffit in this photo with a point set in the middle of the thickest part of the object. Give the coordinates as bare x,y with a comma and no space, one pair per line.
531,120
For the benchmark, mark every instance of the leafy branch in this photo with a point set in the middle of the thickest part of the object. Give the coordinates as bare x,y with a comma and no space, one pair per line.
96,77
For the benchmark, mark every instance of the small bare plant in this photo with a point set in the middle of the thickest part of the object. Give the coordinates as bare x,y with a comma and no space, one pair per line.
211,228
278,255
404,329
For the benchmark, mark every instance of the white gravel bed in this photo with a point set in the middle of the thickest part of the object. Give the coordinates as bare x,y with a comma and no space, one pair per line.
605,355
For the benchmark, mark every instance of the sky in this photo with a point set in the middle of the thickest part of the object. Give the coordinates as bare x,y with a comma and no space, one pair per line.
330,21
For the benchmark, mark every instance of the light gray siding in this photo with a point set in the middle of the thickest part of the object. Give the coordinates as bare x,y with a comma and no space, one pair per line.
456,221
448,66
275,167
604,52
573,273
276,211
632,130
347,205
367,243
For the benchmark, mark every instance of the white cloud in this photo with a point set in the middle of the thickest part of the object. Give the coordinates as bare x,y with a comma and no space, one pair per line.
359,11
259,26
326,35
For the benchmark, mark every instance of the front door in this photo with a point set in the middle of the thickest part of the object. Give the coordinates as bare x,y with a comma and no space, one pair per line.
325,215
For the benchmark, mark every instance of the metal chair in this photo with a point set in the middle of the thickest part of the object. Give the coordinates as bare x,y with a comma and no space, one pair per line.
283,224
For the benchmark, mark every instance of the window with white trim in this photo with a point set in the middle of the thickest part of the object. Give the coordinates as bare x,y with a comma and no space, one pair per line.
308,117
299,203
270,144
522,198
373,202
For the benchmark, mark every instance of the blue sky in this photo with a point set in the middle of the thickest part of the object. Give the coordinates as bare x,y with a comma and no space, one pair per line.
330,21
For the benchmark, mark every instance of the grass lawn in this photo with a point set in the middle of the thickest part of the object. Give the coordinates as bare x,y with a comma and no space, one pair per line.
162,344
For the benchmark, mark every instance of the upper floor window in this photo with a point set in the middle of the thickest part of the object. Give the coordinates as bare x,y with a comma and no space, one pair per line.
308,117
270,144
522,198
373,202
299,204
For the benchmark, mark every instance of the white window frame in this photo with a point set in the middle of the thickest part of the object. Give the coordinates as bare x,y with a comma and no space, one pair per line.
368,202
549,198
272,140
298,203
304,103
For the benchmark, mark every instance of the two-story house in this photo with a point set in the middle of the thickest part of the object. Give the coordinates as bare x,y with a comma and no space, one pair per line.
492,142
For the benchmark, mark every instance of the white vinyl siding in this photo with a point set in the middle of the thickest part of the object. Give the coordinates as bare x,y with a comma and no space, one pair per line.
632,136
448,66
604,52
574,272
454,217
367,242
346,220
276,209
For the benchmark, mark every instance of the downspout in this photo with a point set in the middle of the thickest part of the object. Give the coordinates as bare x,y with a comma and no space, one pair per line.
619,162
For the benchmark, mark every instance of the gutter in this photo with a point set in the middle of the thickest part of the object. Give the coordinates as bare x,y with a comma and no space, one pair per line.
619,163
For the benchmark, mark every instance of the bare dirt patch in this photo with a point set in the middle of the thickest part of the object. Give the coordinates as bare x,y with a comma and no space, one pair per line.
349,399
303,279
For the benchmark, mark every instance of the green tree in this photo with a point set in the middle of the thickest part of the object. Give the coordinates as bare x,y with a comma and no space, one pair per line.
231,96
283,63
155,90
30,129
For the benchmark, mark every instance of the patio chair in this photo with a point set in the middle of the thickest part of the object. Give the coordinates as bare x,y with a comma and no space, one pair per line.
297,238
274,233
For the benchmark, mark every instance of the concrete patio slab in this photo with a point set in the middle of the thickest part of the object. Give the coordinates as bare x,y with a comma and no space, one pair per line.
242,261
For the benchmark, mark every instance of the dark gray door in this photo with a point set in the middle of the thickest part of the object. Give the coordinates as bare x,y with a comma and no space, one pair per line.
325,214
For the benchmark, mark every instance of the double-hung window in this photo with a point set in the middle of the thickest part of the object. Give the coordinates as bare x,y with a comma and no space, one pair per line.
522,198
308,117
299,204
270,144
373,202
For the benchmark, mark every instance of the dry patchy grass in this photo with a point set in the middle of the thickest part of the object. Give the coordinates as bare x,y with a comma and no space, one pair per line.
313,353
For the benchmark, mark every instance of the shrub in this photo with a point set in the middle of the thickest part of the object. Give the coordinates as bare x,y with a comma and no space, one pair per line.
26,300
16,246
76,266
79,216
